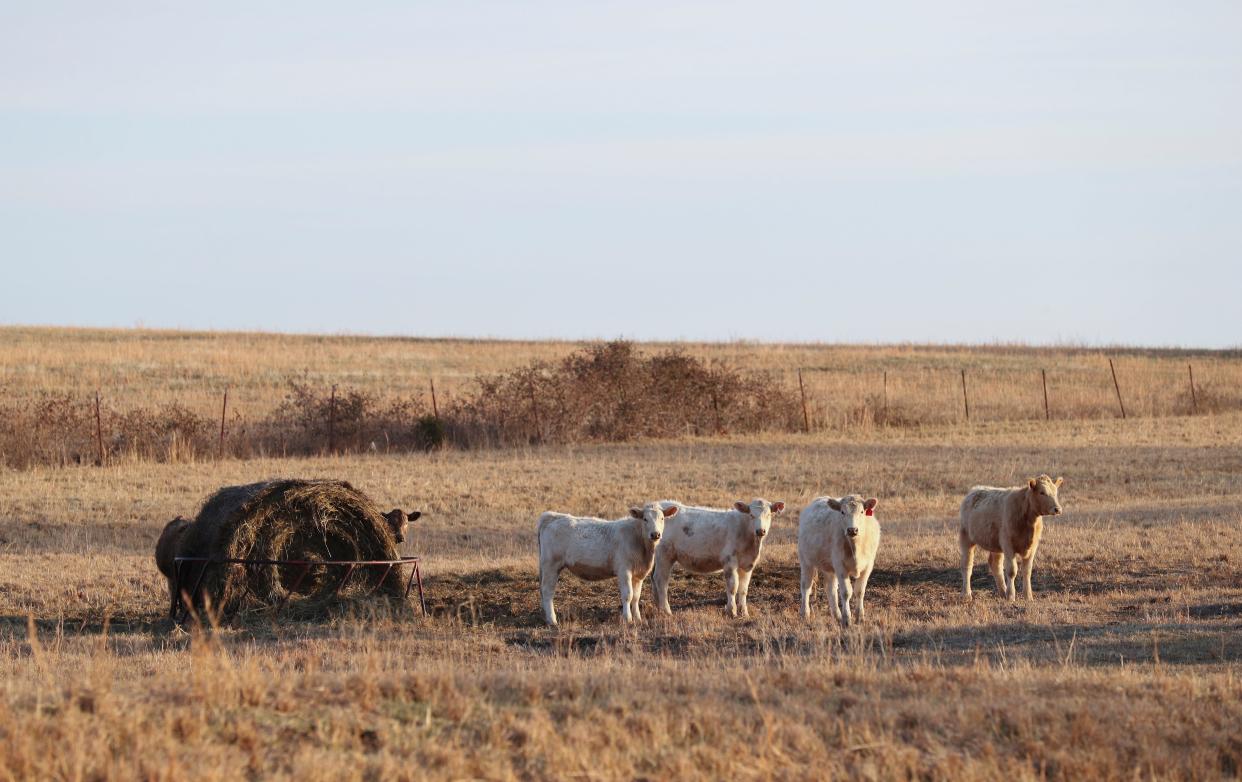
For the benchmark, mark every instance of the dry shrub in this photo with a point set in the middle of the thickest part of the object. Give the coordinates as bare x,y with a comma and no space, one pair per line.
168,433
310,420
48,428
611,392
313,520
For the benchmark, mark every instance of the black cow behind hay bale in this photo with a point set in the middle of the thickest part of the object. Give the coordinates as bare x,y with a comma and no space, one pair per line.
306,520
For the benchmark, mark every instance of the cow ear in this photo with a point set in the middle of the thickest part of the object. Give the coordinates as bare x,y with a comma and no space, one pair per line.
870,504
636,512
1059,481
414,514
1033,483
742,507
834,504
778,507
670,511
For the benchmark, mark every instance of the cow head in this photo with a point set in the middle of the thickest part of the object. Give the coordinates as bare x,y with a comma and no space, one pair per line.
760,512
652,516
855,509
1043,493
398,520
168,547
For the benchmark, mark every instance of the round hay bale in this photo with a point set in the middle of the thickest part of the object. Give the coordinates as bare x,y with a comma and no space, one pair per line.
289,519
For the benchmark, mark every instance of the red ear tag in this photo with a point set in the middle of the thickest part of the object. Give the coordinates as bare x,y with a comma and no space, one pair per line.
870,511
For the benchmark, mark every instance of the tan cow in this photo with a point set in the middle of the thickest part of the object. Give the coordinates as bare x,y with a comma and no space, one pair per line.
1007,523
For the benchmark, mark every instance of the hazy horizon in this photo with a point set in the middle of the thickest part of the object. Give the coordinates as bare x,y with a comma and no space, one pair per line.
1046,174
349,334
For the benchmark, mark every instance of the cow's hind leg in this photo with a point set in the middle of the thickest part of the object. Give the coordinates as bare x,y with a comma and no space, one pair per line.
659,581
994,565
809,574
547,589
862,591
968,562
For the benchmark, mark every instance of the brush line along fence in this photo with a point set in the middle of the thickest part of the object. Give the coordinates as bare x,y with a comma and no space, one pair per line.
590,400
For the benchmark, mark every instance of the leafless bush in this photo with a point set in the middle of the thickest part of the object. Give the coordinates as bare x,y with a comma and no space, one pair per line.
49,428
313,420
611,392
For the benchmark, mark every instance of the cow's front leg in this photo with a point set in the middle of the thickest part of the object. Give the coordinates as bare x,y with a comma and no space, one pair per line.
623,580
1010,573
847,591
834,593
1028,564
634,601
743,588
731,590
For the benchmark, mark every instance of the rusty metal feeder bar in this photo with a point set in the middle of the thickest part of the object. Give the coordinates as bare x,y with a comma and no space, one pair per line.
178,607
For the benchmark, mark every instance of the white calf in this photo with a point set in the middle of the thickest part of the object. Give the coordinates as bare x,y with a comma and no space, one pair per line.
595,549
708,540
838,538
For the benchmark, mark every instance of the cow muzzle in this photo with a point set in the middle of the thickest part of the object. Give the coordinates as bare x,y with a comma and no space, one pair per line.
655,536
759,533
1056,511
852,532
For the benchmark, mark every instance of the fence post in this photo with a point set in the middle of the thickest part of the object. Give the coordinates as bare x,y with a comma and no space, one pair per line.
1117,386
965,400
98,430
223,409
806,419
716,410
332,422
886,395
534,408
1043,374
1194,398
435,410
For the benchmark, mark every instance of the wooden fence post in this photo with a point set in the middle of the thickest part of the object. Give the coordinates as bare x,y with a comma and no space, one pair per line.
534,408
223,409
806,419
1043,374
1117,386
1194,398
99,431
332,422
965,399
435,410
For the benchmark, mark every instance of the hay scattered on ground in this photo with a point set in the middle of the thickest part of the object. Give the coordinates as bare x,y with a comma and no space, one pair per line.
309,520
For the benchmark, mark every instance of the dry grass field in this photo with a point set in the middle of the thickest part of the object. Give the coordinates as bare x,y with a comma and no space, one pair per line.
1125,666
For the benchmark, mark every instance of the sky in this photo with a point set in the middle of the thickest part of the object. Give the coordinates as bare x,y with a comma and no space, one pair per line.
969,172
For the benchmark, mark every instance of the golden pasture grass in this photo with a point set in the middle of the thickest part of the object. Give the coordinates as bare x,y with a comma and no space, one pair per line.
1125,666
845,384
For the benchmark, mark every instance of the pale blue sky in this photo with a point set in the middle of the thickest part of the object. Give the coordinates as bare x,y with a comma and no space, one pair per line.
912,171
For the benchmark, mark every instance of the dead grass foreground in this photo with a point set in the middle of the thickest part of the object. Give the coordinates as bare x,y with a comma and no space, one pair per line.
1126,666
